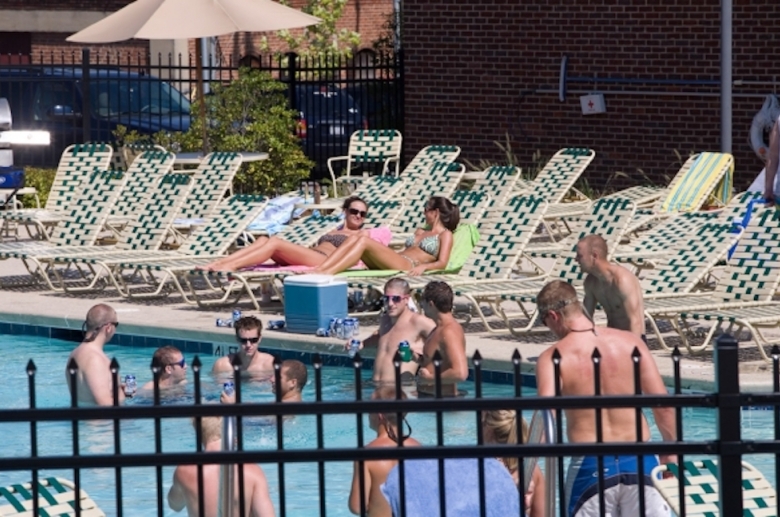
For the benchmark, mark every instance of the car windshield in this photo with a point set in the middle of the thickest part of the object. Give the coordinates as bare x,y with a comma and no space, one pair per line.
134,95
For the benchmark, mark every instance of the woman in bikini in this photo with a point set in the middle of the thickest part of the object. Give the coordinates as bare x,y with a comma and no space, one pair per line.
429,248
288,254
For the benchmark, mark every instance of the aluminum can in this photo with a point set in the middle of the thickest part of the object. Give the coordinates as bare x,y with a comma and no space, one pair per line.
332,326
224,323
405,351
276,324
321,332
348,329
354,347
131,386
236,315
338,329
229,387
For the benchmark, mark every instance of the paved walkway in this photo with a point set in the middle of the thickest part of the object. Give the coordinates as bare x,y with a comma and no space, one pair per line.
170,318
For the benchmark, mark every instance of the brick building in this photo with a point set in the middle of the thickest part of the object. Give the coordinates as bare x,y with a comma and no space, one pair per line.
38,28
475,71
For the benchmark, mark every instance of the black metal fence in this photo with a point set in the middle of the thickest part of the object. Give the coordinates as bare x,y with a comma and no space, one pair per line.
80,97
727,447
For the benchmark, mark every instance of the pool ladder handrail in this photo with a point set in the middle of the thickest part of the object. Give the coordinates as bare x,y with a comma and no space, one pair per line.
227,474
550,464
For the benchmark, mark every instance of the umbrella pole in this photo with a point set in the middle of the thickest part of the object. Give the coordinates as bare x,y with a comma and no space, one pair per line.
201,93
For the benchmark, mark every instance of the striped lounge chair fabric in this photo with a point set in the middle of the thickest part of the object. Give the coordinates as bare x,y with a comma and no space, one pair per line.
701,493
56,496
443,180
498,182
471,204
370,146
423,162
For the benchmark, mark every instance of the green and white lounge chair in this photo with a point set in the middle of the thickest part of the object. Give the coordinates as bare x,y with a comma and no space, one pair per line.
370,146
608,218
700,485
498,182
471,204
76,164
743,296
704,177
56,497
423,161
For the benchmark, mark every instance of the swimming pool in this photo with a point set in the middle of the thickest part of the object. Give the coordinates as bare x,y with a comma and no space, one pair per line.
301,481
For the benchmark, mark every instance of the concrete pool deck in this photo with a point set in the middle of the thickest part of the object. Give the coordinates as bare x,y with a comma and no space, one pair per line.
169,318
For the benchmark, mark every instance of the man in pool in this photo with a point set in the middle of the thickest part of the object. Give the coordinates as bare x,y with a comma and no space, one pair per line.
578,337
447,338
398,323
293,376
253,362
94,382
388,432
173,368
184,491
612,286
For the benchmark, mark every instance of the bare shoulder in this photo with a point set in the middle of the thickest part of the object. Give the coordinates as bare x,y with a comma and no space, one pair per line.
625,278
422,321
222,364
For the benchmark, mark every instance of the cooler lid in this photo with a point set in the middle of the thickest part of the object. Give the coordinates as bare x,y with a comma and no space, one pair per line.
314,280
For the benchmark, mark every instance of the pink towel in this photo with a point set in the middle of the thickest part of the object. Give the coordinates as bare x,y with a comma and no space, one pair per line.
382,235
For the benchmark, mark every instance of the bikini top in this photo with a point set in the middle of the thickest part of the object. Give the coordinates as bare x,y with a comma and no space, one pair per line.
429,245
336,239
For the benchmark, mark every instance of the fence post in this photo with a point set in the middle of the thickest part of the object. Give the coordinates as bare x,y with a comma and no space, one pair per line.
86,102
729,434
292,72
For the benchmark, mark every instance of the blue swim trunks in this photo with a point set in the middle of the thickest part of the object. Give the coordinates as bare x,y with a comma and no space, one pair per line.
621,487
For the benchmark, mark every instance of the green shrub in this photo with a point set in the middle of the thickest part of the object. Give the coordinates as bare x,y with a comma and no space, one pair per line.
41,180
250,114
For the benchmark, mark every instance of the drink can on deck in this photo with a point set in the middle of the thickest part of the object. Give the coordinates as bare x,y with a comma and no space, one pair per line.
224,323
332,326
348,329
321,332
229,387
236,315
338,329
276,325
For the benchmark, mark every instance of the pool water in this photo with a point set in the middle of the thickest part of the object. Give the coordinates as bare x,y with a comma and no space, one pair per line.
301,480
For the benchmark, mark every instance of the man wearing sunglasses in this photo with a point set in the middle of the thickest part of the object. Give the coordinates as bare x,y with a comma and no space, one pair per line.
398,323
253,362
94,382
578,339
173,368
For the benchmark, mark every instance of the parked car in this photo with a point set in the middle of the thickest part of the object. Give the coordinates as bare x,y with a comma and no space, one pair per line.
327,118
378,101
53,99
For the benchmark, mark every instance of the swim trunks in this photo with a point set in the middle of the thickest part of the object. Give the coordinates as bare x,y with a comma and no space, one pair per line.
621,488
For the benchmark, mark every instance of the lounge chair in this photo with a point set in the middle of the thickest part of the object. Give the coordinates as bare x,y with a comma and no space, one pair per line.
369,146
743,297
423,161
56,496
498,182
471,204
703,177
76,164
608,217
700,485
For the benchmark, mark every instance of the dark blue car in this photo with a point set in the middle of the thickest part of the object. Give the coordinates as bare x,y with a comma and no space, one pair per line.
53,99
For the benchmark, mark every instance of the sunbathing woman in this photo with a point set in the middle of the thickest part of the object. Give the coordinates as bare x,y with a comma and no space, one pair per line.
500,426
288,254
429,248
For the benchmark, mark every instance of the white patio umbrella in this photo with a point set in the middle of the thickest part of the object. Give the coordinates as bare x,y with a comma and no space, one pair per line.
179,19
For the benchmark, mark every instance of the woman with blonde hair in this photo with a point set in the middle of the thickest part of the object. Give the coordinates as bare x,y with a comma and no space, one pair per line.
499,426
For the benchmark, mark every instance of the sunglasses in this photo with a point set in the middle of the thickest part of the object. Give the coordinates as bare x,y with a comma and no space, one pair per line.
253,340
182,363
355,211
392,298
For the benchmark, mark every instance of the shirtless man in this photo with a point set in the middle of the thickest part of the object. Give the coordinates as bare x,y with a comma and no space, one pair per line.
293,378
375,472
447,338
253,361
612,286
578,338
173,371
94,384
184,492
398,323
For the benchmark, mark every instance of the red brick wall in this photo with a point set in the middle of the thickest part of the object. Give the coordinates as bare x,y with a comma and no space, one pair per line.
51,47
475,71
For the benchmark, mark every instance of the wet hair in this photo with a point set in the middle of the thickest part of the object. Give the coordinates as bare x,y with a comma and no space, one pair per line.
398,283
166,355
294,369
449,213
352,199
249,323
388,393
503,426
595,244
210,427
440,294
558,296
